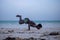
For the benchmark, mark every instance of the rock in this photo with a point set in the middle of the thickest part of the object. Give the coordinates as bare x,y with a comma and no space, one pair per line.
31,38
10,31
9,38
19,38
43,39
54,33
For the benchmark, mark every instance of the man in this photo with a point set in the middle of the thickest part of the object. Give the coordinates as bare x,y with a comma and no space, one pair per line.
29,22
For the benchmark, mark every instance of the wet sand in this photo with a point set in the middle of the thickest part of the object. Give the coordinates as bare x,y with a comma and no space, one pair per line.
33,34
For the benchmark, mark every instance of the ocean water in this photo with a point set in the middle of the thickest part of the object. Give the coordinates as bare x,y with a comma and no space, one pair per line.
15,24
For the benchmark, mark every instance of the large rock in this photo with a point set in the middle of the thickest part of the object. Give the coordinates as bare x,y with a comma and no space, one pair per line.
9,38
54,33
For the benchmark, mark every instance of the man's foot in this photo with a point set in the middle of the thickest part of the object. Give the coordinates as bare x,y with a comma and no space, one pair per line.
18,15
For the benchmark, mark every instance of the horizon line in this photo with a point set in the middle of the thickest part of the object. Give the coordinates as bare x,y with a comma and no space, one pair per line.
32,20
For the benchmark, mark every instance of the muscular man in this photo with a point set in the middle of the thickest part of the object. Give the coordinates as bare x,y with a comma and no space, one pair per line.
29,22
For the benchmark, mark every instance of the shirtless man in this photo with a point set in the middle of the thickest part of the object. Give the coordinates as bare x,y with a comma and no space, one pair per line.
29,22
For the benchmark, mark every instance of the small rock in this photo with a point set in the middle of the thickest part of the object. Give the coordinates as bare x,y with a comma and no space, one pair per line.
31,38
19,38
43,39
25,39
10,31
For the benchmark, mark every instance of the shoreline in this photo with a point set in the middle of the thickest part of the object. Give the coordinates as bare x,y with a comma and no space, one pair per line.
25,34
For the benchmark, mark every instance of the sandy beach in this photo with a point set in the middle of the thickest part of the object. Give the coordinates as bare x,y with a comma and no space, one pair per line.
33,34
17,16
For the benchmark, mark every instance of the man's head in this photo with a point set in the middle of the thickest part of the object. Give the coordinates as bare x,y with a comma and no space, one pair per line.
39,26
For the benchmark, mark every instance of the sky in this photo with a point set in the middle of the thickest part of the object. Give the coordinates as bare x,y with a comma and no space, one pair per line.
32,9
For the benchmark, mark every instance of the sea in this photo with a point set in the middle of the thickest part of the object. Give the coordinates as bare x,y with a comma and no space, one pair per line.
15,24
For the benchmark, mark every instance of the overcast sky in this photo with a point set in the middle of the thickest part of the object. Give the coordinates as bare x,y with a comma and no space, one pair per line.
33,9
